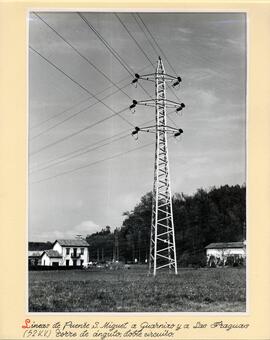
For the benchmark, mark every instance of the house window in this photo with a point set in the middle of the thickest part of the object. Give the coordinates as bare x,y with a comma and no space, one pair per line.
82,251
68,251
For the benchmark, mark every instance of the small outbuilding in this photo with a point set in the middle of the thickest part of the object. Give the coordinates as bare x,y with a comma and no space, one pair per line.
51,258
224,252
34,257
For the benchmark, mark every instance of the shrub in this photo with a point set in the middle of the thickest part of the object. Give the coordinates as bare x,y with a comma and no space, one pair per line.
235,261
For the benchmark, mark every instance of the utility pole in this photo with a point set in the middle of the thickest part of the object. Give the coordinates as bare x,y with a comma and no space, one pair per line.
116,246
162,239
102,254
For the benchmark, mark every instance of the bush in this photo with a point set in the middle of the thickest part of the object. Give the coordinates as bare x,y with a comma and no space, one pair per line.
235,261
212,262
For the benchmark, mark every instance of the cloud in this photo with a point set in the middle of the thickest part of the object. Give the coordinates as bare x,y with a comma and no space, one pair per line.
184,30
207,98
87,227
84,228
225,21
236,43
198,73
203,99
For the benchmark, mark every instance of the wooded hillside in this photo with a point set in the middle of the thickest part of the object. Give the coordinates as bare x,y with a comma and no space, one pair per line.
215,215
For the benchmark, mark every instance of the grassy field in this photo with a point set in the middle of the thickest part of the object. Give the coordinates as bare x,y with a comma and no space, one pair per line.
192,290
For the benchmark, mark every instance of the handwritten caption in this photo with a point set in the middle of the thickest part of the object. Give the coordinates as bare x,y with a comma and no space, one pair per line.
110,330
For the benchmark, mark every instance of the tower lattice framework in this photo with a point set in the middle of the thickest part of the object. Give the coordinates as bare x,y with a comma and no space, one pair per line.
162,236
162,239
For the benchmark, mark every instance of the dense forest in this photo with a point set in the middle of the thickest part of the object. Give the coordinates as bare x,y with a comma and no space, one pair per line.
215,215
38,246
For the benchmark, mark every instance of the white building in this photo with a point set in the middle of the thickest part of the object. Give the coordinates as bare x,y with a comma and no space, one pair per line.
66,253
51,258
219,252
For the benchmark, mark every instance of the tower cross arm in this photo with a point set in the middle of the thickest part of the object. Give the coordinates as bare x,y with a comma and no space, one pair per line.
158,128
152,76
159,101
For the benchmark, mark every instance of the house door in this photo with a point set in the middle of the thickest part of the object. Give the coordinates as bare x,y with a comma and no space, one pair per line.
67,263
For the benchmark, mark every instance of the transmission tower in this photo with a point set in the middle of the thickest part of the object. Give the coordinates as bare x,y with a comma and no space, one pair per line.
162,239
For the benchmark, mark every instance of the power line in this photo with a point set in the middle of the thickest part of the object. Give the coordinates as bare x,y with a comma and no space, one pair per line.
172,91
161,50
132,37
82,56
94,96
60,70
79,131
60,113
115,53
75,153
112,50
85,100
82,153
93,163
141,49
150,42
75,114
64,138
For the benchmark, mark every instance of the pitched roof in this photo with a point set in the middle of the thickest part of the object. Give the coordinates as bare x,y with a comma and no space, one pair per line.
73,243
52,253
35,253
222,245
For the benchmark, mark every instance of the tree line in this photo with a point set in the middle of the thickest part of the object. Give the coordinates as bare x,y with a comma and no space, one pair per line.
214,215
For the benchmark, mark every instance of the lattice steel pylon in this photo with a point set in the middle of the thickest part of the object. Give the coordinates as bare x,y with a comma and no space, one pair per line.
162,235
162,239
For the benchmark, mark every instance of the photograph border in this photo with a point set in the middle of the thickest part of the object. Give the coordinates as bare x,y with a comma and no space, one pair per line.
14,176
142,10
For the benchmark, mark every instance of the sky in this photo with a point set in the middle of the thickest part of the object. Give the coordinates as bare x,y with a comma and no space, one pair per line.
85,168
